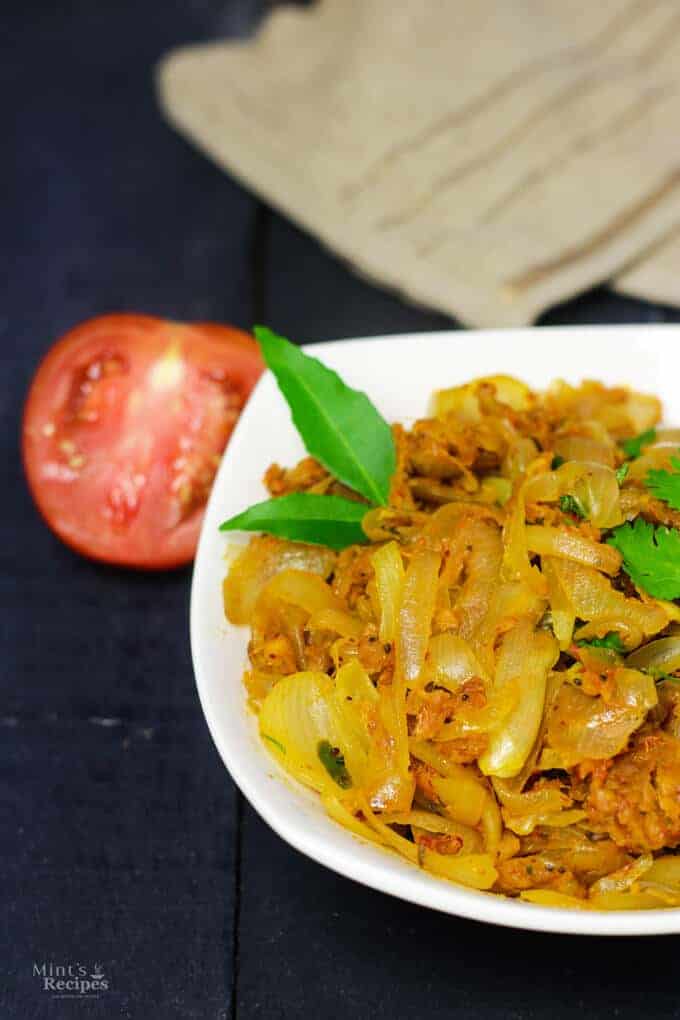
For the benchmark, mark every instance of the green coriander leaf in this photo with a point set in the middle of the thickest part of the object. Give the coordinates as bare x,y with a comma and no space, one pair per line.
338,425
665,485
622,473
305,517
651,556
334,764
556,462
633,447
572,505
611,641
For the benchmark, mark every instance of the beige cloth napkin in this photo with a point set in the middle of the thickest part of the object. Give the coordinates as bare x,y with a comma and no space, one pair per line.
487,159
655,275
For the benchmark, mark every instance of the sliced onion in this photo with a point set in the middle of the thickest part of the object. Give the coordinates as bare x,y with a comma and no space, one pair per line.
415,614
571,545
428,821
446,522
389,784
259,685
340,812
543,800
489,718
450,662
529,655
622,412
491,825
596,451
337,621
382,523
352,683
389,583
516,565
665,871
296,715
594,485
593,598
300,588
483,567
463,402
660,656
495,489
622,880
476,871
652,457
509,602
667,437
262,558
519,456
582,727
463,795
627,901
561,609
558,820
432,755
643,411
551,898
413,634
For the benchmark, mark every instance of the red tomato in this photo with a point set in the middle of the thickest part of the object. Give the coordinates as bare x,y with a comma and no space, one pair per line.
124,426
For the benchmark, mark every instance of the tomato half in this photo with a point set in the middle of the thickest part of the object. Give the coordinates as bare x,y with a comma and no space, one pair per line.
124,426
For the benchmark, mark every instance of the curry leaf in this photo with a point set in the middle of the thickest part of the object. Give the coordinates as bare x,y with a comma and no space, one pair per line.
338,425
305,517
665,485
651,556
334,764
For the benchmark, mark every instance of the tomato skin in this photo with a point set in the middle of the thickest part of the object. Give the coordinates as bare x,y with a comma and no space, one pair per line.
123,427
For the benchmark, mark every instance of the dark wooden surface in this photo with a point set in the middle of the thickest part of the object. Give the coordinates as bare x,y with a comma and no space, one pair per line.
123,840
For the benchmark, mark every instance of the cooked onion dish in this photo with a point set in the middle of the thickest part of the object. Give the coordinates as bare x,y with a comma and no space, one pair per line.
489,684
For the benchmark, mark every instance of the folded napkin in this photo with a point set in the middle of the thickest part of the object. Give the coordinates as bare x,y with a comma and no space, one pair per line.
486,159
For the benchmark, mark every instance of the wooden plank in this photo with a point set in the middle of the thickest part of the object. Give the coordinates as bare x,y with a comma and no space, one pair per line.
119,822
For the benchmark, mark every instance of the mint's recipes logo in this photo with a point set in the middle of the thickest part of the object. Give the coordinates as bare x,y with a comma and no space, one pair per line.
71,980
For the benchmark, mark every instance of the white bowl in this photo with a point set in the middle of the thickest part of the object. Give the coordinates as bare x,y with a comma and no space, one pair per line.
398,373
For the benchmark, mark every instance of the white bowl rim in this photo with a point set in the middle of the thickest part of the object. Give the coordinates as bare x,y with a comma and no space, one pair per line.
408,884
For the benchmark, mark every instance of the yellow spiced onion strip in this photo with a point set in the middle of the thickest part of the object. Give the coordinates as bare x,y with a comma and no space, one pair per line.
451,661
595,486
529,655
389,582
571,545
582,728
660,656
474,870
412,638
593,598
259,562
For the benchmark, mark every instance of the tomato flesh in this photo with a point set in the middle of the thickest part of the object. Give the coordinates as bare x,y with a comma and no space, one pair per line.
124,427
